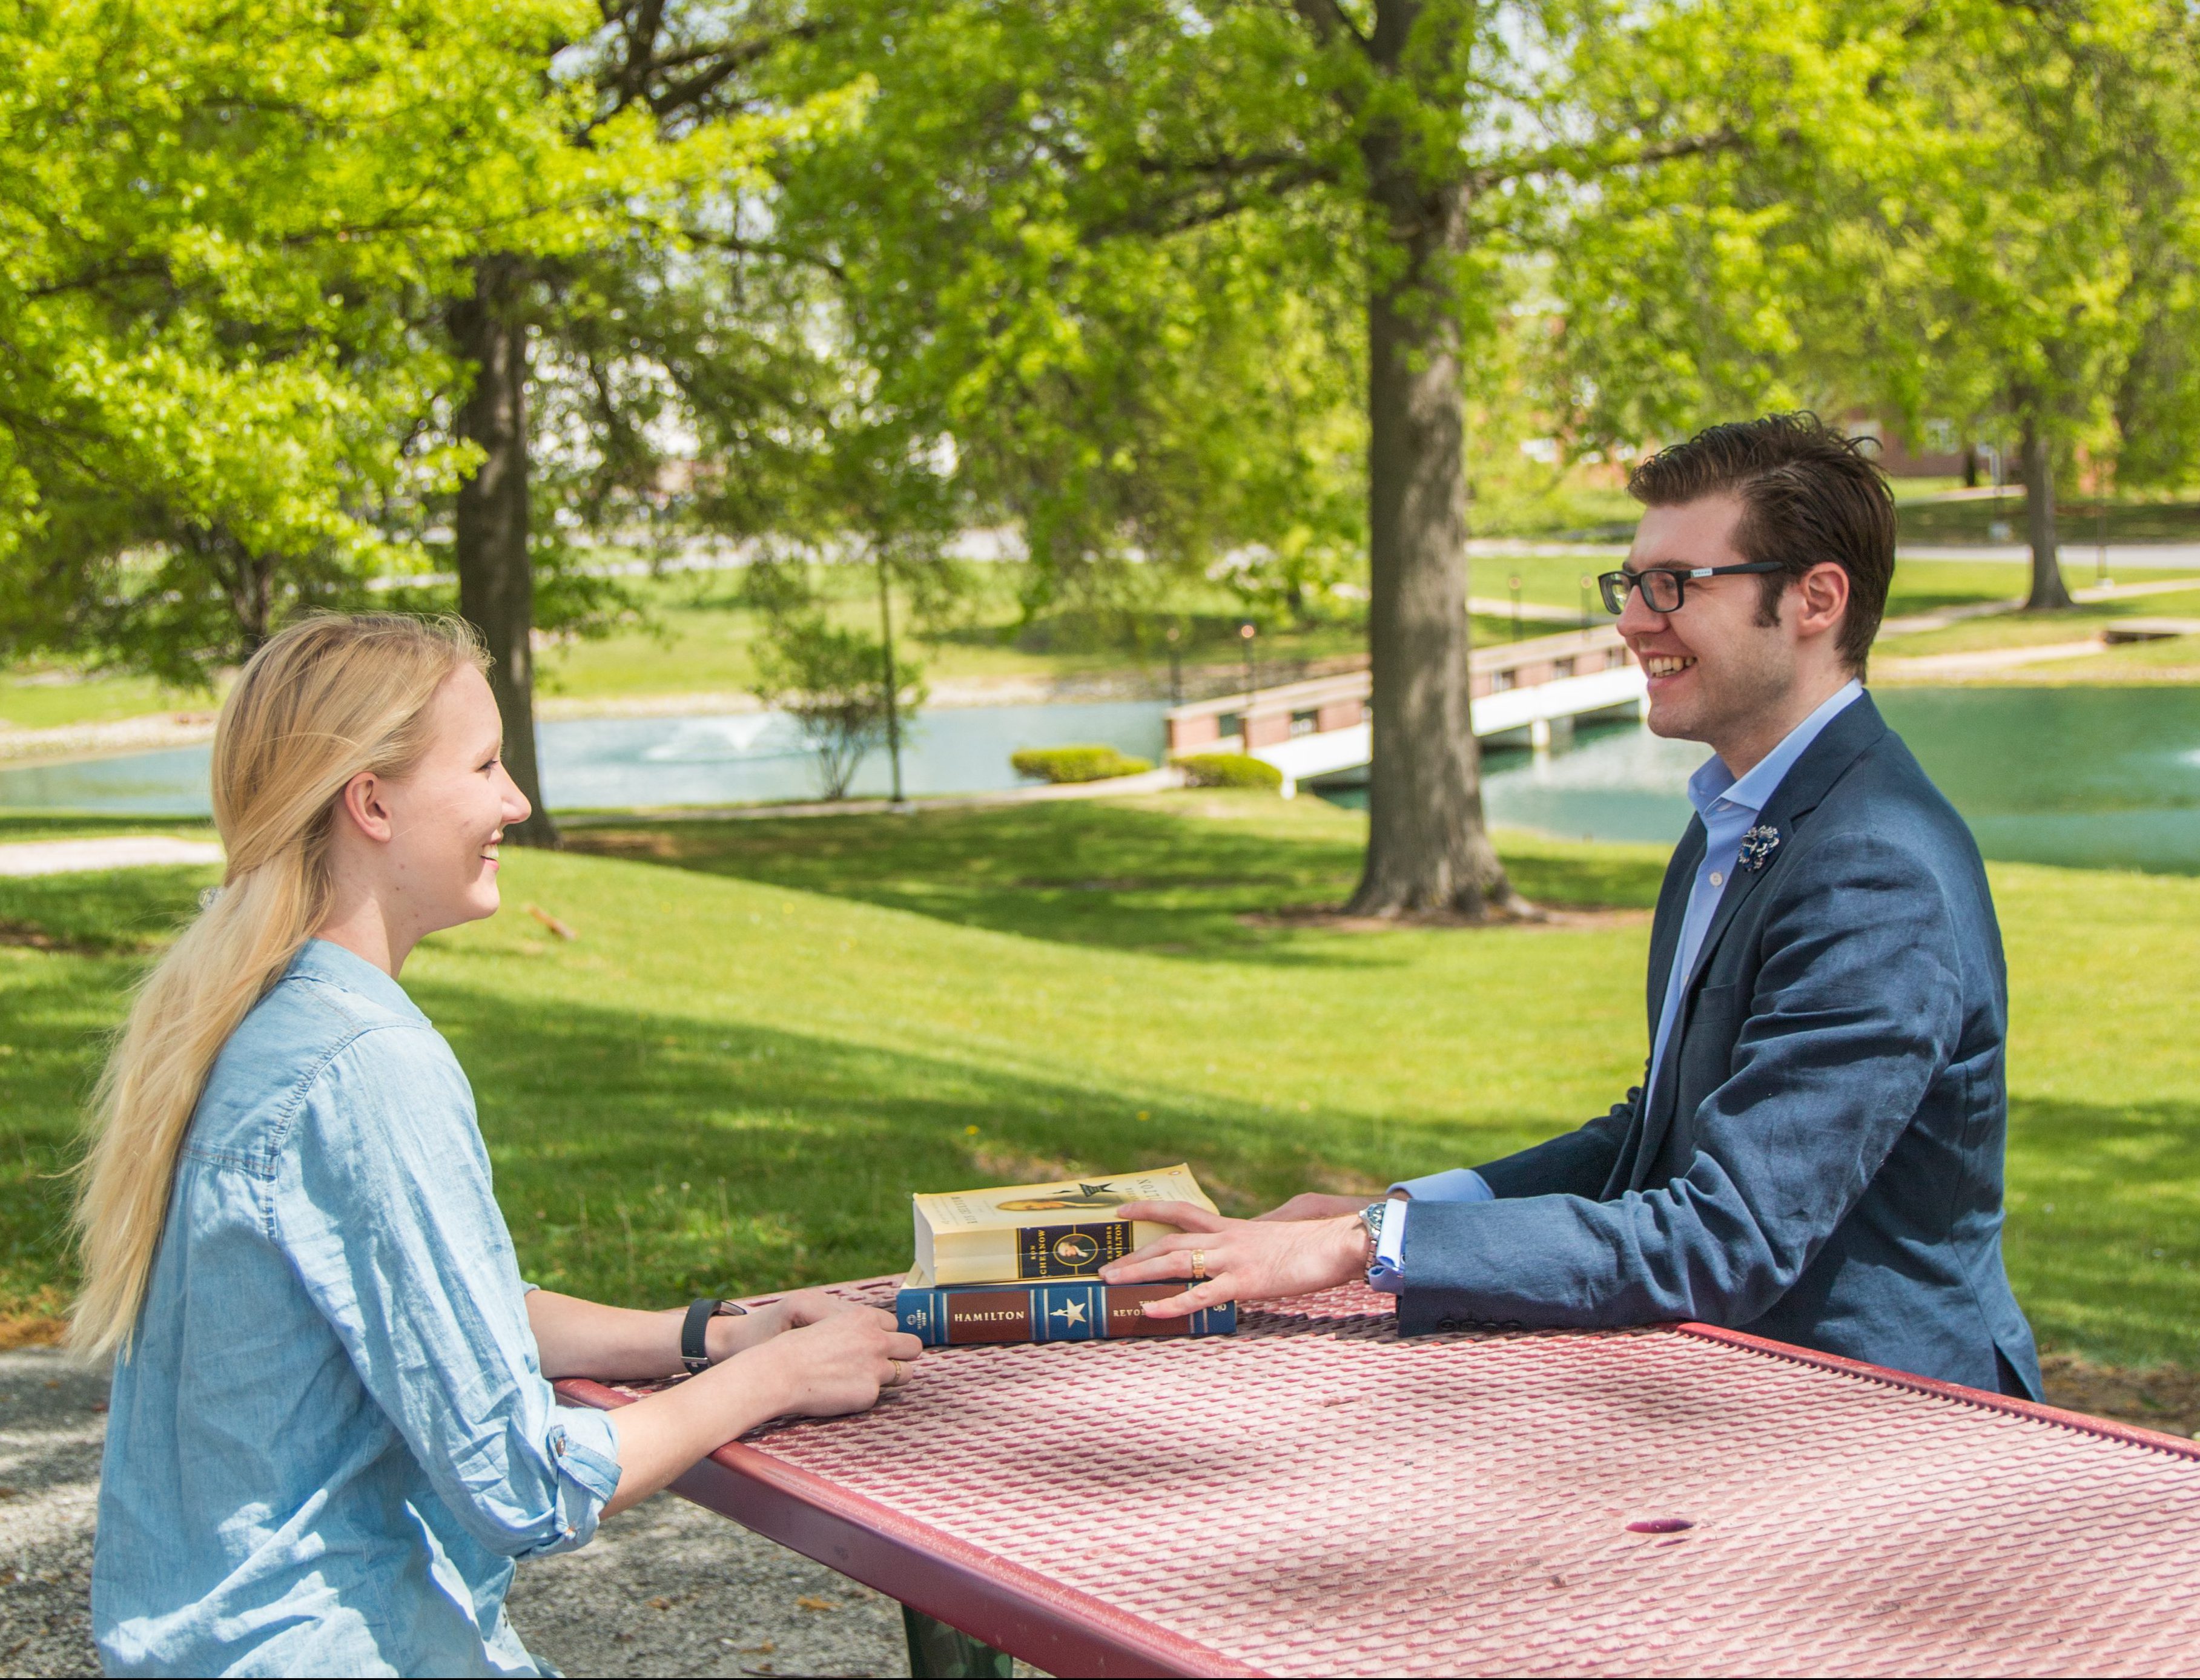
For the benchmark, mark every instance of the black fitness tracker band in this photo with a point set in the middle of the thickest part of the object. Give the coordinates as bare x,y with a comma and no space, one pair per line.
693,1353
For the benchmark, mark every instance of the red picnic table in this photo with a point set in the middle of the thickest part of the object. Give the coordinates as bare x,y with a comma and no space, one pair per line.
1317,1496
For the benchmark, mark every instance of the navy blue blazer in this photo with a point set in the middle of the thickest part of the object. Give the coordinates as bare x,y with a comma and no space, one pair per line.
1821,1159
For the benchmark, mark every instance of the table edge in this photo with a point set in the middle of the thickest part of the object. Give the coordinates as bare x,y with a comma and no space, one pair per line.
1062,1630
2108,1429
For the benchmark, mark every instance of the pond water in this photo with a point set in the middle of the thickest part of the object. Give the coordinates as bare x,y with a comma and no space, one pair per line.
2099,777
2089,776
596,762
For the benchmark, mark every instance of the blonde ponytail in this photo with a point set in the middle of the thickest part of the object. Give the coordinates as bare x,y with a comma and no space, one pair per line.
324,700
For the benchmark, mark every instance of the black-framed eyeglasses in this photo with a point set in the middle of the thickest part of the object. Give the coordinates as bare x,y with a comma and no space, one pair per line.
1663,589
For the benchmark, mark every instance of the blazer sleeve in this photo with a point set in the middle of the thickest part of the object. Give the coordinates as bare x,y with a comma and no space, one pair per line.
1855,1012
1578,1163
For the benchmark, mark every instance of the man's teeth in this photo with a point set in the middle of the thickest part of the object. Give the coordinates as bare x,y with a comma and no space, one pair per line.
1665,664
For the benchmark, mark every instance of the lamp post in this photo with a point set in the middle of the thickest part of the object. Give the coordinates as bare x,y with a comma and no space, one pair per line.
893,679
1176,668
1246,632
1587,583
1513,583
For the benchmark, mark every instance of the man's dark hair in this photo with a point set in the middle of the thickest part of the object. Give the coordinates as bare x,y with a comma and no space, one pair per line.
1809,494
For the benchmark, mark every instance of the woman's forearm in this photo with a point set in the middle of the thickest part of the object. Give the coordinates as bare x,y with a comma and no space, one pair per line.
585,1339
660,1436
575,1337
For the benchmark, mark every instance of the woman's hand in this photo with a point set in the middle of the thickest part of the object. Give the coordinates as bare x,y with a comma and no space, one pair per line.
837,1364
1244,1259
829,1366
734,1334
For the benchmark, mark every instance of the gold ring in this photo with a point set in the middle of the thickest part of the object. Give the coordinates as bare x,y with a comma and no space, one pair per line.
900,1371
1199,1265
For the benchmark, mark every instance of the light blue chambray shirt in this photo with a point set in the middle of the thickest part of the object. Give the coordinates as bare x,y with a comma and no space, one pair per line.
1730,807
332,1436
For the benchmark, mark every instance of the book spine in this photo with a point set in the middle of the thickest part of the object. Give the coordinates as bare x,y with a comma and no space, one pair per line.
1049,1312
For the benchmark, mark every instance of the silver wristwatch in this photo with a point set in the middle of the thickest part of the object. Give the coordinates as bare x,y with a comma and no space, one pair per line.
1372,1217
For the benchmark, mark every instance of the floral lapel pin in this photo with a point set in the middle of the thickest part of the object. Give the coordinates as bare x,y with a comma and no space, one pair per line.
1758,847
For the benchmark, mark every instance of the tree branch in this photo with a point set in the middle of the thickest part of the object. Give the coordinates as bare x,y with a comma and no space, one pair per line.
1328,22
1582,163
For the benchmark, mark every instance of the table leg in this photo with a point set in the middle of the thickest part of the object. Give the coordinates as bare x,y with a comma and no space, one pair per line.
939,1652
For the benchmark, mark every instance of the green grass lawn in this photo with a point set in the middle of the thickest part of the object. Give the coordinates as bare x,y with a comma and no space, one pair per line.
769,1032
53,697
2130,520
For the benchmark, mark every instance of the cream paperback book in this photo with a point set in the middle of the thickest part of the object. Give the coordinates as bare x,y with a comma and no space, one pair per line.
1029,1232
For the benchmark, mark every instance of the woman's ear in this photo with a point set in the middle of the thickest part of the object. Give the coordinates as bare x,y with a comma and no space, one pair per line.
362,805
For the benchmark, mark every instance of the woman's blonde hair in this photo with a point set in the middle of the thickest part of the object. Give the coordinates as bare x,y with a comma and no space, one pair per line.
317,704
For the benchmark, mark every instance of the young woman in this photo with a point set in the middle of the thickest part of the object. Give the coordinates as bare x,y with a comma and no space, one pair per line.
332,1430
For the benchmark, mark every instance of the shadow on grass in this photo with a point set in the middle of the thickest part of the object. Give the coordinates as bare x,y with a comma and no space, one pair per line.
2101,1239
1127,876
15,826
103,910
650,1156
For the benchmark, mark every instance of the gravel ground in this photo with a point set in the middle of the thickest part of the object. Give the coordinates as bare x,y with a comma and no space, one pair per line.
665,1589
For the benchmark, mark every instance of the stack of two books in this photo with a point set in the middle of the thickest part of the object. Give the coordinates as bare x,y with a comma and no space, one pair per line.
1022,1264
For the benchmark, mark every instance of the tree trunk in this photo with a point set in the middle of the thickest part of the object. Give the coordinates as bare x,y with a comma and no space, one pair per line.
496,577
1427,849
2037,466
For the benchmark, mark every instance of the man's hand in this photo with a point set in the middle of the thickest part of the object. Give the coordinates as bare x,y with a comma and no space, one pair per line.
1244,1259
1315,1205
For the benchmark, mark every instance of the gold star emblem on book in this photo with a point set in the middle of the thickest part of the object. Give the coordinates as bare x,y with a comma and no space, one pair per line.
1071,1312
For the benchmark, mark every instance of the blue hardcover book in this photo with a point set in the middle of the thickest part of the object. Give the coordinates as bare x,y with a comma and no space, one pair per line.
958,1314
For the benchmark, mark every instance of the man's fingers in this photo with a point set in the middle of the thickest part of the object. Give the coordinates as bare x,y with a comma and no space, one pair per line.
1177,1242
1198,1299
1151,1264
1184,1215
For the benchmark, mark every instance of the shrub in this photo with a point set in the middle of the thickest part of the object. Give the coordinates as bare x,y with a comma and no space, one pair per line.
1076,764
1238,770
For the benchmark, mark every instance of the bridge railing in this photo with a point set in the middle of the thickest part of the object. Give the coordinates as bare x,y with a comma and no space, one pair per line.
1269,716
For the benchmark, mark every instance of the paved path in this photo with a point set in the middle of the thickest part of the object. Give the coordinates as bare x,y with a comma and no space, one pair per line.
118,851
1941,619
1979,661
665,1589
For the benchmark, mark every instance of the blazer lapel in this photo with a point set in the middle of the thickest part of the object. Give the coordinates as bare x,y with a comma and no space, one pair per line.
1664,946
1838,746
1672,911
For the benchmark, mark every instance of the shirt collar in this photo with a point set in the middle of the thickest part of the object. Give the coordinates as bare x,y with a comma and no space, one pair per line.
1713,783
320,960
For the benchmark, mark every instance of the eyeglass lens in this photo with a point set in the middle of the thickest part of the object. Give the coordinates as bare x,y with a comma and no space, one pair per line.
1661,590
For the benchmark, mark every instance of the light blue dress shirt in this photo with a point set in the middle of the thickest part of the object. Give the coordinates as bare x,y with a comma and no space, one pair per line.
332,1436
1730,806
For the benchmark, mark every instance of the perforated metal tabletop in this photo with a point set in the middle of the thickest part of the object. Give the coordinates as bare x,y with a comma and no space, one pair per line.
1316,1495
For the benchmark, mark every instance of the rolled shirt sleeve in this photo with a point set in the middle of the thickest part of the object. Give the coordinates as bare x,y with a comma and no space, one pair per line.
1454,1184
385,1204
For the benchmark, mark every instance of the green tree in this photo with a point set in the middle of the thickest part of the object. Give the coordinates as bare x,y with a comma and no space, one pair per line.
845,689
224,223
1144,253
2003,236
665,101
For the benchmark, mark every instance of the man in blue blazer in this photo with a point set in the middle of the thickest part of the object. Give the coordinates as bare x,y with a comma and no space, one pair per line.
1814,1153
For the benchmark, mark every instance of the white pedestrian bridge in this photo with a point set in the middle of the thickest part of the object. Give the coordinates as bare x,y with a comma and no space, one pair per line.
1519,691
